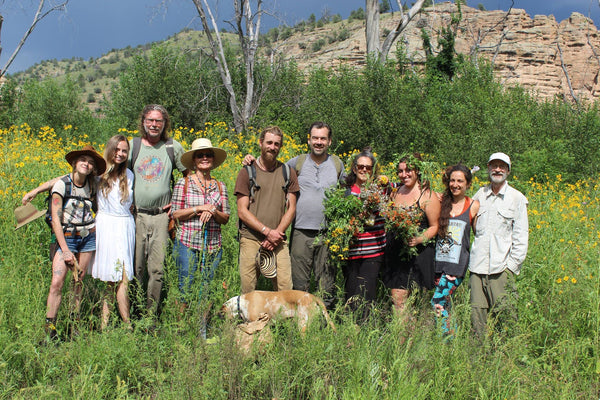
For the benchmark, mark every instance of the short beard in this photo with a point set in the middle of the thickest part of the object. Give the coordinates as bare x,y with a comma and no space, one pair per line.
497,179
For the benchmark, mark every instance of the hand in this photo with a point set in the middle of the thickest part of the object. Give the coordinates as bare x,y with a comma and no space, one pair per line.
68,257
415,241
275,237
267,245
205,216
28,197
383,180
248,160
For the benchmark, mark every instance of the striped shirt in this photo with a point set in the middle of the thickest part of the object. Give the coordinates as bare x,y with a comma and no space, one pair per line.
192,233
371,242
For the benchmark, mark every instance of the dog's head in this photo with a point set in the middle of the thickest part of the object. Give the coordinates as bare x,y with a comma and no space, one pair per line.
230,308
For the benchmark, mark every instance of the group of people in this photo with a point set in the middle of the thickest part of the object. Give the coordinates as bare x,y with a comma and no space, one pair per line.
497,214
130,187
130,190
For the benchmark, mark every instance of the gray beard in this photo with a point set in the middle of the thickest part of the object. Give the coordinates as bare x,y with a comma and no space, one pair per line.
498,179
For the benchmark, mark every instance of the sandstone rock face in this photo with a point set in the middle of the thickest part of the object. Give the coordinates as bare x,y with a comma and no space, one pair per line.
545,56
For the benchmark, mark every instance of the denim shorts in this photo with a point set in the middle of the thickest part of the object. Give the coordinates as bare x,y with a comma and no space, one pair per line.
78,244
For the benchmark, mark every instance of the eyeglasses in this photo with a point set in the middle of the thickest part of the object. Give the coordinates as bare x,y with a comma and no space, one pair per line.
154,121
204,155
362,166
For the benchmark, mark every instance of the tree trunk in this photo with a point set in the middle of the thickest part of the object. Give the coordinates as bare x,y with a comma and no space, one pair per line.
247,26
372,27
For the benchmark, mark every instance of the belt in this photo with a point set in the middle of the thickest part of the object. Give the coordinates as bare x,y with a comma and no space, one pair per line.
312,231
77,233
151,211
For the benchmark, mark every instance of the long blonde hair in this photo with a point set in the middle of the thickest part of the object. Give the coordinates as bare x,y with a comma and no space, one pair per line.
114,171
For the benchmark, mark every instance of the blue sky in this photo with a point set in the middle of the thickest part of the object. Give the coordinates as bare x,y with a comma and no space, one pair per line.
90,28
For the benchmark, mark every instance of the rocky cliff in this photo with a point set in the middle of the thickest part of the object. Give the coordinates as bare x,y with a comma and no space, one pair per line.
548,57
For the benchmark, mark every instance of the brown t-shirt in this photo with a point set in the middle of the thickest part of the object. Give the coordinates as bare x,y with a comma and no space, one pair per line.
269,201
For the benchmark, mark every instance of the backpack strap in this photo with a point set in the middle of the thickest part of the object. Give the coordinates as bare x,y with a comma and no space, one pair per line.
252,185
339,166
171,153
300,162
286,177
69,195
136,143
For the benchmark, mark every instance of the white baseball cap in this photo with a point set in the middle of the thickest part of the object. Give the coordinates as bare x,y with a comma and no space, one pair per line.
501,157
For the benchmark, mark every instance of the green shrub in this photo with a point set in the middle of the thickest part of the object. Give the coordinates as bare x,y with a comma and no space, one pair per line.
318,45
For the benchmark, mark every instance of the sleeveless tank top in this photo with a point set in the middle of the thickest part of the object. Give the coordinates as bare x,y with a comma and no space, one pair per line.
452,251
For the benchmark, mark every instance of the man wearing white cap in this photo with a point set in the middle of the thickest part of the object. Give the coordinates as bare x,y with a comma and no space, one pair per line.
500,244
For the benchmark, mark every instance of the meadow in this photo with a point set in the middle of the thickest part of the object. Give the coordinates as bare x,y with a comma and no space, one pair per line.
551,352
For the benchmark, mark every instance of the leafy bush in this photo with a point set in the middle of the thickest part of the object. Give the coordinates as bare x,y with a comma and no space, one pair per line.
318,45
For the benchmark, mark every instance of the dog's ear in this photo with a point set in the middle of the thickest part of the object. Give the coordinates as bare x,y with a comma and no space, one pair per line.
227,310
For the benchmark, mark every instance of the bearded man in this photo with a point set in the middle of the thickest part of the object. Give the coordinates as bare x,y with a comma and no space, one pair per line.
266,200
500,245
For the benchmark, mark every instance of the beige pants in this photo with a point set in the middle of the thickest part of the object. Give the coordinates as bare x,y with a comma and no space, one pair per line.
249,272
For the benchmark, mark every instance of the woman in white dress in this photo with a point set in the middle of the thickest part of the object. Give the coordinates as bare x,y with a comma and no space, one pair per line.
115,229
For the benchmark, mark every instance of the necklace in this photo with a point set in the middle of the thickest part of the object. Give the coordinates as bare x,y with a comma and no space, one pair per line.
205,184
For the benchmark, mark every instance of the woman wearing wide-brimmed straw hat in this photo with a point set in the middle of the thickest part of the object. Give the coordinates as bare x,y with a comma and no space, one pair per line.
200,204
74,226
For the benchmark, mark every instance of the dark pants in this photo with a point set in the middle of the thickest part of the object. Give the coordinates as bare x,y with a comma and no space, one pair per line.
308,252
361,283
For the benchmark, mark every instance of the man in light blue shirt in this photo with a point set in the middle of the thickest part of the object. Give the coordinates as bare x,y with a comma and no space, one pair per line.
500,245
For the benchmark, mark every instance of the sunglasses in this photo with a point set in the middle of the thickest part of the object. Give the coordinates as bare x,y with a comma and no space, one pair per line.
204,155
362,166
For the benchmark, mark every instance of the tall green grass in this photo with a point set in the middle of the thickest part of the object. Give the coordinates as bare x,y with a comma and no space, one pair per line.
550,352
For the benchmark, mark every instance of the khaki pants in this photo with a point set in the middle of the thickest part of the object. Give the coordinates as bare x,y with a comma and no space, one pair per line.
151,240
249,272
491,295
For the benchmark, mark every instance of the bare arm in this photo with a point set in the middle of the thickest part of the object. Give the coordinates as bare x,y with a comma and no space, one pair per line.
205,211
474,212
272,236
57,203
44,187
249,219
432,208
248,159
290,213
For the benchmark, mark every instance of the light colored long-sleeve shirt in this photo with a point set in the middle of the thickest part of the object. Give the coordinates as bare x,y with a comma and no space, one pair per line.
501,231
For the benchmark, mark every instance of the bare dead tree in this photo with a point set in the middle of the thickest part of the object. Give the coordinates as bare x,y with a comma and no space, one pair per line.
593,49
246,23
564,68
405,18
372,27
479,36
39,15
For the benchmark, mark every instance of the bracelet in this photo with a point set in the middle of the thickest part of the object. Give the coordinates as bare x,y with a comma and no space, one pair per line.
213,210
263,229
195,212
